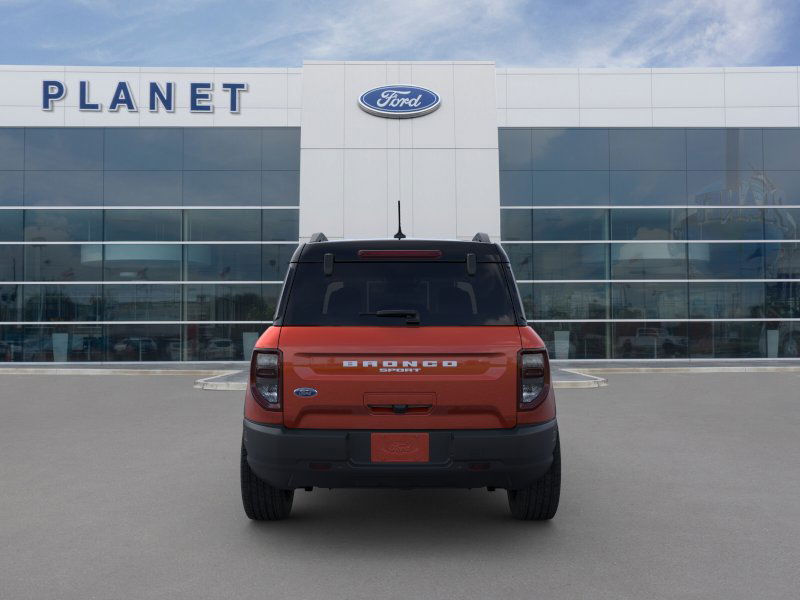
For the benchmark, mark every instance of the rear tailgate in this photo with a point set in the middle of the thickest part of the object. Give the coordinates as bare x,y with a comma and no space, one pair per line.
400,377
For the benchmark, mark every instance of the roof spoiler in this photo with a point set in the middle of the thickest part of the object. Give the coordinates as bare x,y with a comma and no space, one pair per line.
317,237
482,237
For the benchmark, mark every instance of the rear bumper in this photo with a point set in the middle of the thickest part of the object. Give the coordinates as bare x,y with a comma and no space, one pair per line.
296,458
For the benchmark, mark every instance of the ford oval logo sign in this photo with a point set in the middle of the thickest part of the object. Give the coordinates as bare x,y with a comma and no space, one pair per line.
305,392
399,101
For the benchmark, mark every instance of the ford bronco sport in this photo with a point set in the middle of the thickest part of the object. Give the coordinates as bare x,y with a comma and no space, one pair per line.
400,363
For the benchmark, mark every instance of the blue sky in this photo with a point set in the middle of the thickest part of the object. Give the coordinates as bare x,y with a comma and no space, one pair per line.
584,33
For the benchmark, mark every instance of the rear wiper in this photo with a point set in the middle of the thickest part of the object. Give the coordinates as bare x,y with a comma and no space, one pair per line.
411,315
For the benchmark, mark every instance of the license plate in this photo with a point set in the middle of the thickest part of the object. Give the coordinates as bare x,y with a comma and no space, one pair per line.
399,447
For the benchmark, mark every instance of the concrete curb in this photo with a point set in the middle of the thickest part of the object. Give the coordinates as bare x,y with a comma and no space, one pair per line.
57,371
698,370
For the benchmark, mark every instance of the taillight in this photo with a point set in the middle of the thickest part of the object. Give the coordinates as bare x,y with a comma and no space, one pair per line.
534,378
265,378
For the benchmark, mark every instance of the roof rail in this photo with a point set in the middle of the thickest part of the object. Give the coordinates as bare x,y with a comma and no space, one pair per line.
317,237
482,237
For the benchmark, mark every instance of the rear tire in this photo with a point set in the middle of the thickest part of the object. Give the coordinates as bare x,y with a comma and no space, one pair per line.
539,501
261,501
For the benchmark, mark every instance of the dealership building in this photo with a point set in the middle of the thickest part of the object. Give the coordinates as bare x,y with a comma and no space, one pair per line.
148,214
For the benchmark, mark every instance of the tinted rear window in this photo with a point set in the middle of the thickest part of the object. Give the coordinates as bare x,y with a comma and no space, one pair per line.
441,293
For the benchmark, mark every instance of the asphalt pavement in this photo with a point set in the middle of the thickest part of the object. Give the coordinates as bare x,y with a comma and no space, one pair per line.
675,486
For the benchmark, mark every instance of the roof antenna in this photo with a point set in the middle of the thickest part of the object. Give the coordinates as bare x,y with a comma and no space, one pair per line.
399,235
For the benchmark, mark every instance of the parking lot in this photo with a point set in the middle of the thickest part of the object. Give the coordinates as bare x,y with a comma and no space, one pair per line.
675,486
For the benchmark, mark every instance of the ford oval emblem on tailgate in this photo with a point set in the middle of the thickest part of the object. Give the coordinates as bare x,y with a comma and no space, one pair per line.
305,392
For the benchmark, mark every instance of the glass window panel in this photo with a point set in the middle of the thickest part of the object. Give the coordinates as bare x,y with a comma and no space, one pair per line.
782,261
574,340
142,302
555,188
221,342
63,148
280,188
721,339
220,188
648,187
514,149
724,149
569,261
11,189
637,300
275,260
783,187
12,148
138,342
280,148
143,188
555,225
10,307
648,261
234,262
651,339
63,225
11,340
726,300
565,300
63,262
63,188
222,148
222,225
520,256
783,299
516,225
10,226
212,302
570,149
648,149
726,224
153,262
731,188
11,263
143,148
726,261
782,148
62,343
782,223
783,340
516,188
142,225
280,224
62,303
648,224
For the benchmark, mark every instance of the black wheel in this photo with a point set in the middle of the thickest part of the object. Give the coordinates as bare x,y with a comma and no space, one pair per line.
539,502
261,501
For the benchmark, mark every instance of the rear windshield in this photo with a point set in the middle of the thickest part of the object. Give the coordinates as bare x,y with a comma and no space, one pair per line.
435,293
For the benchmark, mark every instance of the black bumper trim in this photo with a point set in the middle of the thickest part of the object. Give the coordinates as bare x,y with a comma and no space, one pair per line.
462,458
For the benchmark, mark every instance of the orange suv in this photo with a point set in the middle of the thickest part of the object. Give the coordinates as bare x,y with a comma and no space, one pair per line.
400,363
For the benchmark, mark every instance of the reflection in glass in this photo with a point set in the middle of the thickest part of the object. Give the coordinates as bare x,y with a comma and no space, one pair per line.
63,262
11,263
63,148
648,187
142,225
143,148
783,340
280,224
221,342
222,225
234,262
142,302
62,303
648,149
783,299
516,188
782,148
637,300
726,300
573,340
515,149
721,339
280,188
783,187
781,223
280,148
153,262
555,188
564,300
648,261
212,188
650,339
726,261
63,188
555,225
10,226
275,260
782,260
570,261
61,343
726,224
520,256
570,149
139,342
648,224
216,302
142,188
724,149
11,188
10,304
222,148
12,148
732,188
63,225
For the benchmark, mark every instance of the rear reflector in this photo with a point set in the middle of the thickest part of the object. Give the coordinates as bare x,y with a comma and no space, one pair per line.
399,253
